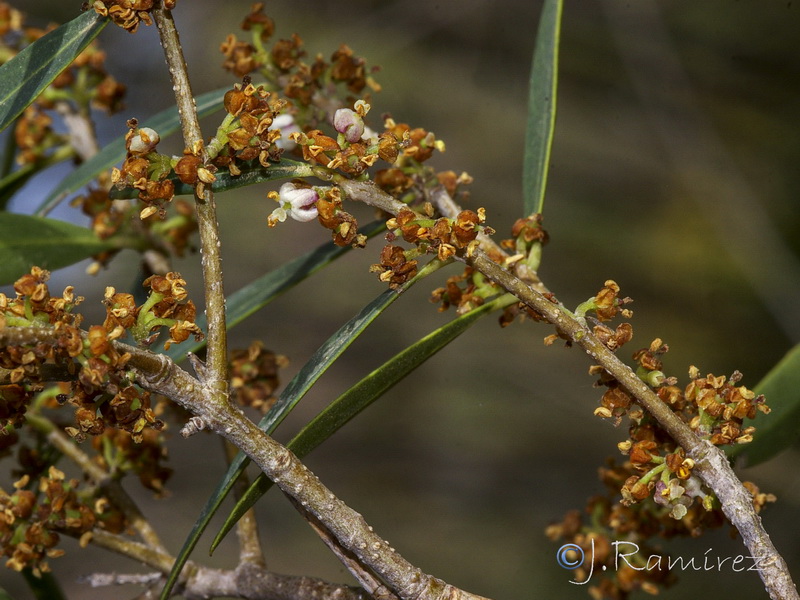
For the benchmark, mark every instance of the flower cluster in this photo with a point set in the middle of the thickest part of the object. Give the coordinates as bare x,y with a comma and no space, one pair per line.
660,494
466,291
30,522
250,132
128,14
101,391
283,63
119,453
443,237
254,375
607,520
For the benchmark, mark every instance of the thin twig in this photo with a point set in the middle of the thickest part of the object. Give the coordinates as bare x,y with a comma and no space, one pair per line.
247,526
217,355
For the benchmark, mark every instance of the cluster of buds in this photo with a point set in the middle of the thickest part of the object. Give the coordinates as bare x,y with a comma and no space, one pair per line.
101,390
30,522
466,291
128,14
118,452
254,375
251,132
145,170
443,237
283,63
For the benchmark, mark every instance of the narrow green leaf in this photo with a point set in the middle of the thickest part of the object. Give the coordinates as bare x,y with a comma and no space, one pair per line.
44,586
257,294
321,360
26,241
26,75
360,396
286,169
781,427
541,108
165,123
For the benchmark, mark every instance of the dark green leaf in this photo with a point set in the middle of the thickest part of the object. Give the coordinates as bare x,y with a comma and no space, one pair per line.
781,427
541,108
26,241
165,123
26,75
286,169
360,396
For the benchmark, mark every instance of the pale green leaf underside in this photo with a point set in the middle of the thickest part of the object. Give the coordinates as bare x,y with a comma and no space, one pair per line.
27,75
541,108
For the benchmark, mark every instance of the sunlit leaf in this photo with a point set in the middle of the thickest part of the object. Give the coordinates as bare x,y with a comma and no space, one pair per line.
27,74
361,395
541,108
165,123
780,428
26,241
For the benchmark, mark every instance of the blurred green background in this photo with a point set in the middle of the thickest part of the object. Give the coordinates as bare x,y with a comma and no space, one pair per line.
674,173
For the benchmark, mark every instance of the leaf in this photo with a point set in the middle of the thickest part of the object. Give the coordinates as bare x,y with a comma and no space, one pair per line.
322,359
541,108
27,75
360,396
165,123
781,427
43,586
257,294
285,169
26,241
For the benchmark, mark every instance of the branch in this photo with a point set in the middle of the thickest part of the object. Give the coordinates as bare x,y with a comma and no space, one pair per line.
217,357
247,526
710,462
246,581
159,374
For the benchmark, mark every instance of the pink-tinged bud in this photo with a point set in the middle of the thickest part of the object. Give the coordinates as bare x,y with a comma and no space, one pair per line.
299,202
143,141
349,123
